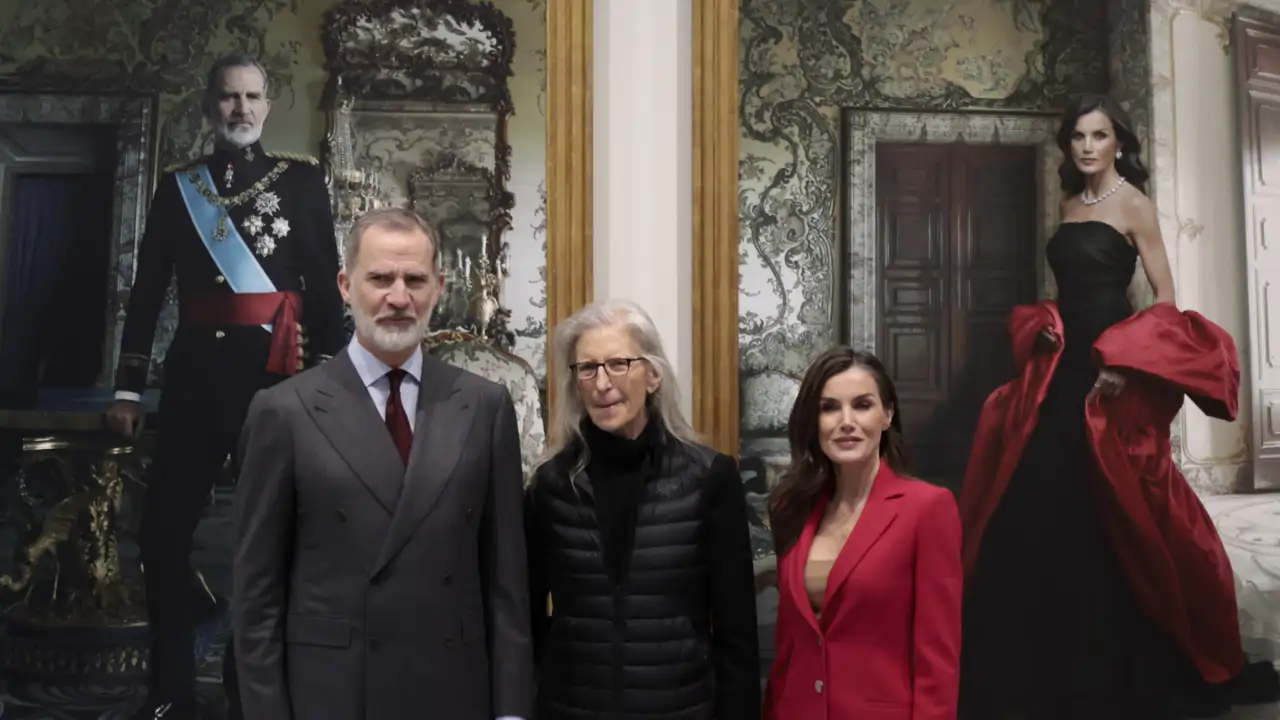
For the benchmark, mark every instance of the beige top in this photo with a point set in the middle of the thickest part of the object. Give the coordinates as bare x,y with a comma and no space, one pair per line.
828,541
816,573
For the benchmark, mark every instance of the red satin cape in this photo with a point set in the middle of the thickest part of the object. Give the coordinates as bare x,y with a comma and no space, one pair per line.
1161,532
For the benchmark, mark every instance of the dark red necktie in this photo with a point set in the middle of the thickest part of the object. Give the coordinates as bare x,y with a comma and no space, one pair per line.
397,420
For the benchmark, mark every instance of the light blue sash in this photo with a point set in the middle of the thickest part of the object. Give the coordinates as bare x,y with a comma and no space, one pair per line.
232,255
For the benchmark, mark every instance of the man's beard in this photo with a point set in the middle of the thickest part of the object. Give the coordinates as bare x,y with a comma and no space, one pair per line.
390,339
239,135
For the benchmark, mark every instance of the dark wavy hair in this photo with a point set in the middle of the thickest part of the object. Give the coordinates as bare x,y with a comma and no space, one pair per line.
1129,165
812,474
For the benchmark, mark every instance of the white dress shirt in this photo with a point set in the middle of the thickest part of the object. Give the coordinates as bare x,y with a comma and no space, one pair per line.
373,373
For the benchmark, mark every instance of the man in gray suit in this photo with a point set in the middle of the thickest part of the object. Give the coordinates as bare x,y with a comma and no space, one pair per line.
380,568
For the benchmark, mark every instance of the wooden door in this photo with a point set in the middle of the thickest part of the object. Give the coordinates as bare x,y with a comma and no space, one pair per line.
1257,48
956,230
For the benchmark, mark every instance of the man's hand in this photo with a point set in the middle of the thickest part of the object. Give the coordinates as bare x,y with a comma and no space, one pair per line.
126,418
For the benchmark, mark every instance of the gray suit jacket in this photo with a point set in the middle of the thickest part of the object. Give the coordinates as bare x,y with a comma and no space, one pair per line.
364,591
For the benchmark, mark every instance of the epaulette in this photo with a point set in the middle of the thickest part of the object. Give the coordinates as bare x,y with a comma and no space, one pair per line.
297,157
185,164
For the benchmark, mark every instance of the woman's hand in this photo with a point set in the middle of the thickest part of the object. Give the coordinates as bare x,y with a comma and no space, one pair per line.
1046,341
1109,383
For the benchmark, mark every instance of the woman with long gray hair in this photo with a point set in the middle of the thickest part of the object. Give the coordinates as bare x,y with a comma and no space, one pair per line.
639,557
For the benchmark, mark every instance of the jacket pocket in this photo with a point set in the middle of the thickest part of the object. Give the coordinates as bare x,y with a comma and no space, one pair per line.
321,630
689,634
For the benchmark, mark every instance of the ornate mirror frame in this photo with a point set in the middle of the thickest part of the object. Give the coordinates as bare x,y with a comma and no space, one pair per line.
454,193
134,117
417,104
569,275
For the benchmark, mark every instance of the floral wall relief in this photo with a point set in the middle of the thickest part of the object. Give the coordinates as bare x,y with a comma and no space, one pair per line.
804,62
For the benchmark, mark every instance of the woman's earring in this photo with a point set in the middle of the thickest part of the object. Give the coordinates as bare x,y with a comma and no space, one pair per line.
1119,154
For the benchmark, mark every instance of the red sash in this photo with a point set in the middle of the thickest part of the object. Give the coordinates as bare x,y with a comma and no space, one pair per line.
280,310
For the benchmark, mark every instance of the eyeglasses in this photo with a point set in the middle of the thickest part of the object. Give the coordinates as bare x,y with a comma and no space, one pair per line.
617,367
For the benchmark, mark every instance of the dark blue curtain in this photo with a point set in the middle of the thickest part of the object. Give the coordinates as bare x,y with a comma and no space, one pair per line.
59,243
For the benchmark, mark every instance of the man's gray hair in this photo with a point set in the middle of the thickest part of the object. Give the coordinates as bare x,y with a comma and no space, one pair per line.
395,219
213,81
568,410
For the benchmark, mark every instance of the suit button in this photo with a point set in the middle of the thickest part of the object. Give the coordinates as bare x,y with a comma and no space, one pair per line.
447,580
342,516
219,334
219,279
448,642
817,685
469,514
374,645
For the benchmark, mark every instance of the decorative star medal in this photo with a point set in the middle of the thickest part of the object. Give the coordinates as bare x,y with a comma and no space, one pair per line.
265,226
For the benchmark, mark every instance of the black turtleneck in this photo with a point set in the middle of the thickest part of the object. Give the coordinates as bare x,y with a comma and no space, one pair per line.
618,468
248,165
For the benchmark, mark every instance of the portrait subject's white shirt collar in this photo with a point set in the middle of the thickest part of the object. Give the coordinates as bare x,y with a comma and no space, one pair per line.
371,369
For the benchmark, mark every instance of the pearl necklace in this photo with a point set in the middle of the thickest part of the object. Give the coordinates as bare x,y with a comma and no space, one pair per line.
1084,196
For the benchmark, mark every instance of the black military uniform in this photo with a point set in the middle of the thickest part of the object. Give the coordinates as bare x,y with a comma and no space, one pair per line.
220,354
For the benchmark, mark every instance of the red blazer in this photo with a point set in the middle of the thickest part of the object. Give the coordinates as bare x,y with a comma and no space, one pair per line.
888,644
1164,538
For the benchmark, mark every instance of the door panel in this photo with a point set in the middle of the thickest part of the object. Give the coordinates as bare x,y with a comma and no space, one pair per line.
958,236
1257,48
914,190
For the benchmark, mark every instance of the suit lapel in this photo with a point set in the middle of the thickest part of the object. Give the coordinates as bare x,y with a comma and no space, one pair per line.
877,515
440,430
341,407
798,558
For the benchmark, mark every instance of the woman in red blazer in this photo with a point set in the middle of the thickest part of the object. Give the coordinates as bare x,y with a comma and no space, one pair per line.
869,570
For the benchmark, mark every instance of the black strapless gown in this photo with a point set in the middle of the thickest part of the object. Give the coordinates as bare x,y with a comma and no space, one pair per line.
1051,626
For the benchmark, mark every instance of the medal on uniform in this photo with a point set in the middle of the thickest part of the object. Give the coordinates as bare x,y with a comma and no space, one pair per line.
228,176
221,232
266,204
265,226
